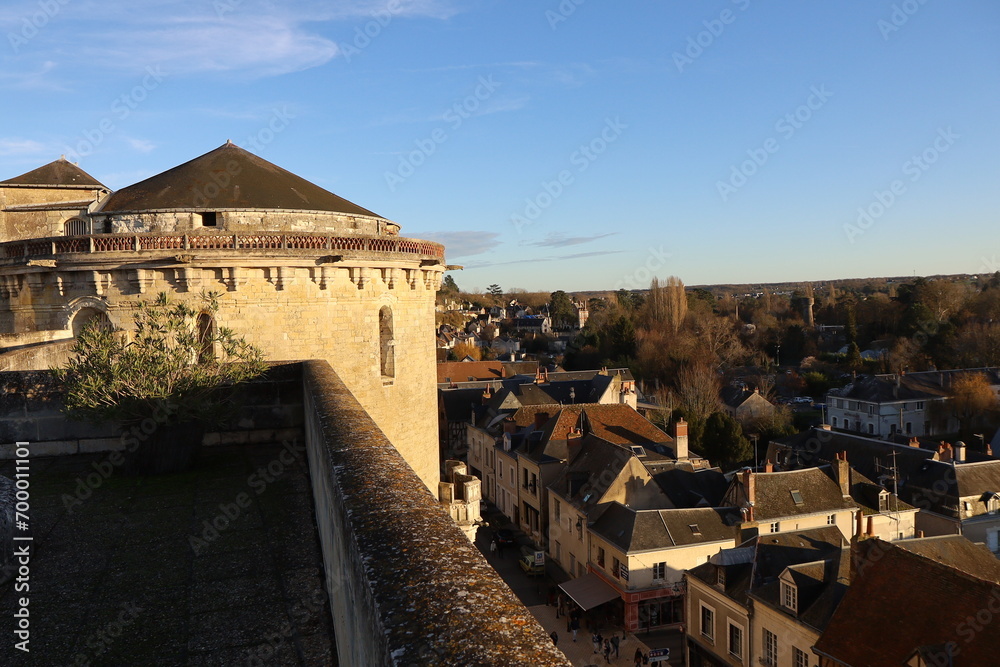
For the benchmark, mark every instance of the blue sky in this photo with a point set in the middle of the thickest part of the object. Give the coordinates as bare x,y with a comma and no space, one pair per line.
573,145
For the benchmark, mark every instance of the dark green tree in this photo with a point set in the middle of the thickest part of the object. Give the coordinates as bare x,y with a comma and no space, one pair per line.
723,442
561,309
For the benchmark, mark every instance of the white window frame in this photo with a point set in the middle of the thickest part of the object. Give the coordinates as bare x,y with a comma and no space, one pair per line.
738,654
769,648
659,571
790,596
710,636
799,657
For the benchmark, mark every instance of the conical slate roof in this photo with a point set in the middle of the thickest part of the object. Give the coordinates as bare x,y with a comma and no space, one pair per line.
61,173
228,177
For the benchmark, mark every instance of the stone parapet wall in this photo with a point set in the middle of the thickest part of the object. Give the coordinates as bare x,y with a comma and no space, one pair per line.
269,410
244,220
406,587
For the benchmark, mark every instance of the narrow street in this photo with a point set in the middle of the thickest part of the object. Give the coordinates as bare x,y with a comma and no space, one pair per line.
534,593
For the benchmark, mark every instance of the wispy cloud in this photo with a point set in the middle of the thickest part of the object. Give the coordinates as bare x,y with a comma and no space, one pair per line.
462,243
535,260
556,240
17,147
142,145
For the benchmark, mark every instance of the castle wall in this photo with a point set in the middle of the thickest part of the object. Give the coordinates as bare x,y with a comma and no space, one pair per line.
245,221
17,225
290,312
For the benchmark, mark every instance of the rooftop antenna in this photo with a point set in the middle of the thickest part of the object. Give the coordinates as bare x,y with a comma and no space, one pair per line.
891,472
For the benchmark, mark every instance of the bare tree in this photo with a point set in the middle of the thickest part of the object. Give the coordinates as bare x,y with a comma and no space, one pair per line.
666,305
697,391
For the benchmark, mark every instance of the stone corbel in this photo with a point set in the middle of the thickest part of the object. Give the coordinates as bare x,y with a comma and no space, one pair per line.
281,276
235,279
141,280
189,279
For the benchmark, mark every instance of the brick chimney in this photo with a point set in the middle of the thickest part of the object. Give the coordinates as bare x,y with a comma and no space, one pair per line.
769,467
871,527
573,441
487,395
944,452
842,473
681,439
858,523
914,442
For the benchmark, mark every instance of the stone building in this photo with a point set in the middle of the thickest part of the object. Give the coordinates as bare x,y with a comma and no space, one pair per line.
300,272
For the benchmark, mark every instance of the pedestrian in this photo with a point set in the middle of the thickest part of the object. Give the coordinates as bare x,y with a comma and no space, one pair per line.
638,657
555,637
574,625
493,546
607,651
559,605
595,639
615,645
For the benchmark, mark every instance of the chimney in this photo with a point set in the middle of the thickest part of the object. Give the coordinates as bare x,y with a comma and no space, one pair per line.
920,534
871,527
825,427
509,425
914,441
487,395
573,440
540,419
842,471
769,467
959,452
681,439
750,487
545,374
944,452
989,450
859,522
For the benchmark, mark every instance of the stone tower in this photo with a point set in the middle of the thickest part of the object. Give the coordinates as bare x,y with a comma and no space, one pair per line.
301,272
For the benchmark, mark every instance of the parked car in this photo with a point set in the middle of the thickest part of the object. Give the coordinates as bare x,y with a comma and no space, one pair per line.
528,563
504,537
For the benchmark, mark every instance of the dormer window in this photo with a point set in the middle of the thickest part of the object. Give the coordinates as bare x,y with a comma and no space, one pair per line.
993,503
883,501
789,596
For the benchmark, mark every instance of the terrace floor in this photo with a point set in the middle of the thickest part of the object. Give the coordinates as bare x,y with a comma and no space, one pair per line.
125,571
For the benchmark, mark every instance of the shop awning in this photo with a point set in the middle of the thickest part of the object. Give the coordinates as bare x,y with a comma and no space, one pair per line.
589,591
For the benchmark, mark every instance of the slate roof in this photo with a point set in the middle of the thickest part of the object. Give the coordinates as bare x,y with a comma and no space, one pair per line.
458,403
688,487
645,530
948,482
774,498
926,603
918,386
958,552
583,481
254,183
60,174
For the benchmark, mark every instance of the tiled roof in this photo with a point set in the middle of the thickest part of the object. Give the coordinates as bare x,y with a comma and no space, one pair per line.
461,371
901,602
643,530
958,552
60,173
908,387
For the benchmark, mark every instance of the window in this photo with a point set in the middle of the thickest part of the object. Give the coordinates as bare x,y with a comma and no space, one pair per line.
840,403
600,556
558,552
616,567
387,360
579,529
736,641
770,648
871,410
659,570
883,502
708,623
920,405
572,563
638,451
909,428
871,428
776,526
789,596
580,571
524,477
831,520
799,657
76,227
835,422
695,530
555,509
208,219
857,426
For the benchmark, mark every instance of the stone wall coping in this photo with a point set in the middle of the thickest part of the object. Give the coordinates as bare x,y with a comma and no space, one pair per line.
437,599
13,252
